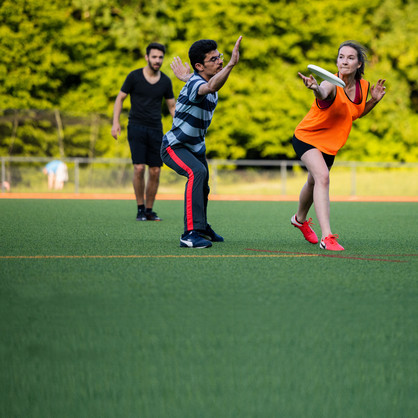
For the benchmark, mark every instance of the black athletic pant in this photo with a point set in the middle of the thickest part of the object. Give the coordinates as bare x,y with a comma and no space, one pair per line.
195,168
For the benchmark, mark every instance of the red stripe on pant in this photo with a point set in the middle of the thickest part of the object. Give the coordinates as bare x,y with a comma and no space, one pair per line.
189,206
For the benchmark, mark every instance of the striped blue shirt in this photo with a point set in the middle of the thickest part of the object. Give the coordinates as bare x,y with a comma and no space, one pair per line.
192,117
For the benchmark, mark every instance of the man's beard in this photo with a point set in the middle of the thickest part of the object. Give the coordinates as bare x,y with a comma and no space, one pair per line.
154,67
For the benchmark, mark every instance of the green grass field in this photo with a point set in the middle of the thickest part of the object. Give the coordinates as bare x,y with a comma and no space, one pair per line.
103,316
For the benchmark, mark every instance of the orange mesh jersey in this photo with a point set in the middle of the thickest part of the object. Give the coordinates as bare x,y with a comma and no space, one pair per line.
327,128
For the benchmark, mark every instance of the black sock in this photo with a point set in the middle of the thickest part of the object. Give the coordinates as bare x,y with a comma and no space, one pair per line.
141,207
148,210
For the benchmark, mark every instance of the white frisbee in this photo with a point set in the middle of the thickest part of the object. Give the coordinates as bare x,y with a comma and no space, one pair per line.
326,75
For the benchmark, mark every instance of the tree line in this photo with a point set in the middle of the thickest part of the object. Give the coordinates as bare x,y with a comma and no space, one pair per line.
64,61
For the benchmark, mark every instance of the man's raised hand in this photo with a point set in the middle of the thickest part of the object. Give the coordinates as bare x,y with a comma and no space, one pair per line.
180,70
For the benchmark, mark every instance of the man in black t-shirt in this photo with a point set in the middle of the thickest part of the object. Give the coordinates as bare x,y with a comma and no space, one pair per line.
146,86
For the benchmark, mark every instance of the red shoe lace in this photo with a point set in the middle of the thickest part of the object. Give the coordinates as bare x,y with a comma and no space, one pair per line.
309,222
306,226
333,238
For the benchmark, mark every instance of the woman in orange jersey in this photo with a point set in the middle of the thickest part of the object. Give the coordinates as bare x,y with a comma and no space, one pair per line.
324,131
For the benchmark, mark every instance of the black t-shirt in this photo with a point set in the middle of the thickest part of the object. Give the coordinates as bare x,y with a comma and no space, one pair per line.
146,98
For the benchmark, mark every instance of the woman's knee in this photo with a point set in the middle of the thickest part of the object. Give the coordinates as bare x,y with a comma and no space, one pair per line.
311,181
322,178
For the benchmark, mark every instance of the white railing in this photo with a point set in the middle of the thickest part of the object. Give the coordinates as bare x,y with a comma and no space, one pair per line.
216,165
285,164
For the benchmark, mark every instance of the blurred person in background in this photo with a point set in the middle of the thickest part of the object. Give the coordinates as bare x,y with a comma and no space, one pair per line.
147,87
57,173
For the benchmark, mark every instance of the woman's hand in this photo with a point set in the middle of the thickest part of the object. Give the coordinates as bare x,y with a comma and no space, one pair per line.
309,82
378,91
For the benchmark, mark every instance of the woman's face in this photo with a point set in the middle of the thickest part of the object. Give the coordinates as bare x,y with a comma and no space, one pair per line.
347,61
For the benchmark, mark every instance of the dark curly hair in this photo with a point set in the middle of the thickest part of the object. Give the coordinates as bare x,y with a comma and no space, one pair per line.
199,49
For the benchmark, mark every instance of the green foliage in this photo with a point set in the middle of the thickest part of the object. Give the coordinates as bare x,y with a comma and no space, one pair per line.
75,54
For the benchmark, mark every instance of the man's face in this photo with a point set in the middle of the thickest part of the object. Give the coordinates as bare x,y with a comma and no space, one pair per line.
155,59
213,63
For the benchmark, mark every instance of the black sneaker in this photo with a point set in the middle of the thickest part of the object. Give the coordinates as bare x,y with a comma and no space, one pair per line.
193,239
140,216
211,235
152,216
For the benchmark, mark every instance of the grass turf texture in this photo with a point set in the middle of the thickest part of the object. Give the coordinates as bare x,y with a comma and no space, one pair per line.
220,332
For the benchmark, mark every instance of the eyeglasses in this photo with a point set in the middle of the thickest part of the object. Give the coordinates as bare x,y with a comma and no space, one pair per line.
220,57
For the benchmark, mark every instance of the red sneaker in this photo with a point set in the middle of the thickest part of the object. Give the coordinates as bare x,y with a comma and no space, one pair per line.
330,243
306,229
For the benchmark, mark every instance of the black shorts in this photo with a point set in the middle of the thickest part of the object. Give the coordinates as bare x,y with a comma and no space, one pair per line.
145,144
301,147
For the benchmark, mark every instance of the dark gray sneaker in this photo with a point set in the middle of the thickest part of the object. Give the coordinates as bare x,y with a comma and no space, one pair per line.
211,235
193,239
140,216
152,216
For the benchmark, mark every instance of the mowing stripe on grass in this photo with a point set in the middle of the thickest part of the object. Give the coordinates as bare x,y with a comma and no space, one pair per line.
39,257
369,258
272,254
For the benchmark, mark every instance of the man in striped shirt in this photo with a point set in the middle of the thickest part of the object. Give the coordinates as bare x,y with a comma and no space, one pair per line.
183,148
